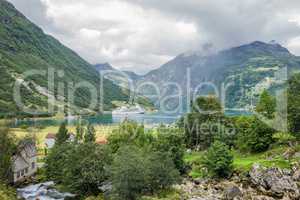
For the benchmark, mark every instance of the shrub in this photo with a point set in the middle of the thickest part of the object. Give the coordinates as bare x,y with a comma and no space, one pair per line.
253,135
284,138
129,133
136,172
171,140
7,193
218,160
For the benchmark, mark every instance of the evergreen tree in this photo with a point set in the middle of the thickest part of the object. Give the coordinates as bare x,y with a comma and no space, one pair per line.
90,135
62,136
294,105
218,160
79,133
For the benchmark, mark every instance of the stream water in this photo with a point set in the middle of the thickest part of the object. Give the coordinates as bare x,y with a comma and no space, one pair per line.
42,191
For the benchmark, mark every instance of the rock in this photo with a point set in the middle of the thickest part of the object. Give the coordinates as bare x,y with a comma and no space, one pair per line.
41,191
274,182
296,176
262,198
232,192
297,155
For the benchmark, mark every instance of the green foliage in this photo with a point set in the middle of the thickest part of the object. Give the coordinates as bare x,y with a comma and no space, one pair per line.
55,162
81,167
8,146
218,160
136,172
100,197
63,135
171,140
284,138
23,47
128,173
85,168
266,105
79,133
206,104
90,135
205,124
253,134
294,105
7,193
161,171
129,132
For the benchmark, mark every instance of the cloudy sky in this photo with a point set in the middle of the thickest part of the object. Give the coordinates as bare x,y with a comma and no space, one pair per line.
140,35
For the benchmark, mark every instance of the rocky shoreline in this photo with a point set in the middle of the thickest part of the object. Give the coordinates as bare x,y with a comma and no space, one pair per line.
259,184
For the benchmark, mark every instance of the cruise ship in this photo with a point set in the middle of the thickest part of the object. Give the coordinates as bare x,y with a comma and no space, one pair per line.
125,110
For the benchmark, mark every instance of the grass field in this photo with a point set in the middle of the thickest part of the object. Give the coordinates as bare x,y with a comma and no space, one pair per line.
102,131
244,162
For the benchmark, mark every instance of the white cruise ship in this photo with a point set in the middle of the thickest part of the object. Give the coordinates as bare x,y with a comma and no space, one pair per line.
125,110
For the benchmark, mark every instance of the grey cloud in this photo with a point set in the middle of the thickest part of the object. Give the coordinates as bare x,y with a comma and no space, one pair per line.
143,34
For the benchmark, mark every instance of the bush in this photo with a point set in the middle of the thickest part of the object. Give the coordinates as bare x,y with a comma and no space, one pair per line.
253,135
218,160
81,168
171,140
161,171
284,138
129,133
86,168
136,172
7,193
128,173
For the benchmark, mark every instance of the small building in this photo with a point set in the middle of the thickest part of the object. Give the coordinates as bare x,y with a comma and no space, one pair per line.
50,140
24,163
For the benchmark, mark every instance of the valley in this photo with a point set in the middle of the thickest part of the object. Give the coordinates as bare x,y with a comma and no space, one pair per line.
205,125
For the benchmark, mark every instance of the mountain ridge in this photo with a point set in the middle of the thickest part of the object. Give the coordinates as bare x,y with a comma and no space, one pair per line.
254,62
24,46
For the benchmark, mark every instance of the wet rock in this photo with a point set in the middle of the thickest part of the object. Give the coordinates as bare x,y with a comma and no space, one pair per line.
41,191
232,192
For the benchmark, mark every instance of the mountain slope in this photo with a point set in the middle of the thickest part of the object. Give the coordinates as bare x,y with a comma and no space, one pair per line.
250,68
125,79
106,66
23,47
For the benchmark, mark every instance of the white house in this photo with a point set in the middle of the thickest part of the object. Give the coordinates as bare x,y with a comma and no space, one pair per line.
50,140
24,161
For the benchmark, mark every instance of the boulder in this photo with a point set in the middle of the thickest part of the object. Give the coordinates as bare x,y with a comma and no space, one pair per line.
274,182
232,192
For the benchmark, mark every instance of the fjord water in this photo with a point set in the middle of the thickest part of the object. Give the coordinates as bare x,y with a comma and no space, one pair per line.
107,119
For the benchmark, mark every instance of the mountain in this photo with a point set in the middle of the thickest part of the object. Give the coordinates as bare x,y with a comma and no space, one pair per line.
126,80
24,47
251,68
106,66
